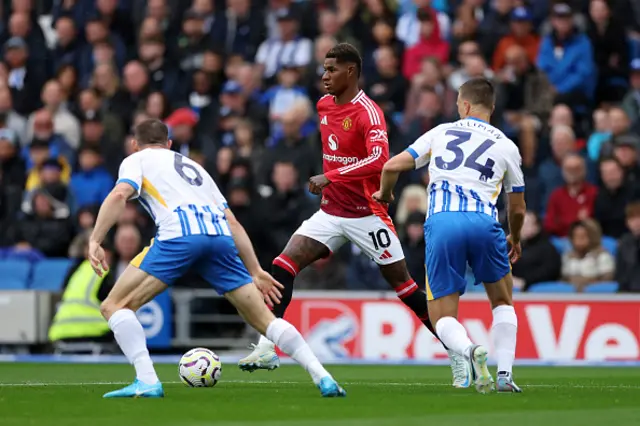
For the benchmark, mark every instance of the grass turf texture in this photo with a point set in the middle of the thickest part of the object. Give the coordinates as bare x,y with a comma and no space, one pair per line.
377,396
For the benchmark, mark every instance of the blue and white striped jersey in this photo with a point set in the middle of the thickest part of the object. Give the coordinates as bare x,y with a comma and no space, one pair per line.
177,192
469,163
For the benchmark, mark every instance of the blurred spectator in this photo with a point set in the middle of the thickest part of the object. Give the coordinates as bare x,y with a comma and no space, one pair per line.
540,261
38,153
294,148
387,87
46,227
43,131
91,104
288,49
631,101
10,118
23,26
429,114
181,122
412,200
281,97
628,254
601,133
610,51
430,44
118,20
157,105
287,203
566,57
383,36
528,100
619,126
91,183
626,149
315,69
247,147
164,76
520,34
413,246
127,243
563,143
474,66
495,25
68,45
613,196
587,262
244,28
64,123
329,27
193,41
12,180
572,202
97,36
136,88
25,80
408,28
67,76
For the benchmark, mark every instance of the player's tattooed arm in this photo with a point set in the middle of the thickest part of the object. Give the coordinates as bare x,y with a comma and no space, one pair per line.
390,173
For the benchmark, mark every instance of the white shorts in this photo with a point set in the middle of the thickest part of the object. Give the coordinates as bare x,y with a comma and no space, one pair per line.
373,235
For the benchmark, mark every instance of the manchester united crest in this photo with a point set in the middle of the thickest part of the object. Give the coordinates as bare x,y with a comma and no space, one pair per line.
347,123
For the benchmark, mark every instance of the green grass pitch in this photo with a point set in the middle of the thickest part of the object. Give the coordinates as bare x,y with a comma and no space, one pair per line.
63,394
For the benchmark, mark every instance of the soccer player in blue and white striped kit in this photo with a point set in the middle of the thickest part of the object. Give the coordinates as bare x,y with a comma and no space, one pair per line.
470,162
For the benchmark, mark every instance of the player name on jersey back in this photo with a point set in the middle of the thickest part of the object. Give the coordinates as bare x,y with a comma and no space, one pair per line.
177,192
470,161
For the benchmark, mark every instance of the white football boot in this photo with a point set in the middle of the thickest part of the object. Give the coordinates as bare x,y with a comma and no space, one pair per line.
263,357
483,381
506,384
461,369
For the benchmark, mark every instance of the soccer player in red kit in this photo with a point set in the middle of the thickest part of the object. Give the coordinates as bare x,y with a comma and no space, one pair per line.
355,146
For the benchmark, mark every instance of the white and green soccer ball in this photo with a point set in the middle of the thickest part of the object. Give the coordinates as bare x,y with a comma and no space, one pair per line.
199,368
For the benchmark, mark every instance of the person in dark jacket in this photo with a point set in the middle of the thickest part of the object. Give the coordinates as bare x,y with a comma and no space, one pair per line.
540,260
42,230
25,81
613,196
413,245
566,57
12,180
287,204
611,52
628,254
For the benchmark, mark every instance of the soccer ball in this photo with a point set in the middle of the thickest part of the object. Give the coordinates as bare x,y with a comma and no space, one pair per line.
199,368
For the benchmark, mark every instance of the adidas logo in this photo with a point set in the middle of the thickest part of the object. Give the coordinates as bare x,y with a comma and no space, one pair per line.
324,120
385,255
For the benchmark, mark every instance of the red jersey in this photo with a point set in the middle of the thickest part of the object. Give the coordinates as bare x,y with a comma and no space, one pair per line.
355,146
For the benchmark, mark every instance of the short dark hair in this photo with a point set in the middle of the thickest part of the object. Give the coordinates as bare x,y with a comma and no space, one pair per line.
479,91
345,52
151,132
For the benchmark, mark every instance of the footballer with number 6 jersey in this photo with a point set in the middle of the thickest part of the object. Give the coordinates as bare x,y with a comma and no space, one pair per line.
355,147
470,162
197,231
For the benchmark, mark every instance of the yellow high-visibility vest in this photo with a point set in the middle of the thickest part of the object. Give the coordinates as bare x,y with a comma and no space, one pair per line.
79,313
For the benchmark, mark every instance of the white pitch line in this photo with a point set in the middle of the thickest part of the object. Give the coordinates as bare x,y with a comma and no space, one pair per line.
399,384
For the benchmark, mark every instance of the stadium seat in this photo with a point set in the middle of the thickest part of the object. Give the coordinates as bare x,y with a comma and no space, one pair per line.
561,244
49,275
552,287
610,244
15,274
603,287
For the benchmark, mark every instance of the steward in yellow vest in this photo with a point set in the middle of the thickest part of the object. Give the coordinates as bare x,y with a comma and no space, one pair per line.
78,316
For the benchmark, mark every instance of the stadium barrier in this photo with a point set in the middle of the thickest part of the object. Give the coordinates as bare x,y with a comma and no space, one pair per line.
375,328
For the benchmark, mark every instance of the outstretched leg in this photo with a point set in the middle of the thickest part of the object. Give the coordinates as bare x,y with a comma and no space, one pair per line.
300,252
132,290
249,302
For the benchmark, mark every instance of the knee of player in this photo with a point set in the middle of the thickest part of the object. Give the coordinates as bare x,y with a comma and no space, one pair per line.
107,308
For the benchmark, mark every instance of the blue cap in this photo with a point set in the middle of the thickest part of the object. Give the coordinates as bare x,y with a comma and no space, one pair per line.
232,86
521,14
635,65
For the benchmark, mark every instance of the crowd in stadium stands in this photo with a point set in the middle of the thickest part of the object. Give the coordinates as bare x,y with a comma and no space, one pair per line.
237,80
